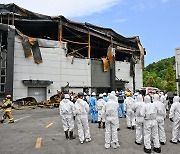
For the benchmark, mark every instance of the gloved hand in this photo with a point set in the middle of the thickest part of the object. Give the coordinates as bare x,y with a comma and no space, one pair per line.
171,119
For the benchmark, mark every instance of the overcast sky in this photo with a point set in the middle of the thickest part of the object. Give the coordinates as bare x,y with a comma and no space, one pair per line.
155,21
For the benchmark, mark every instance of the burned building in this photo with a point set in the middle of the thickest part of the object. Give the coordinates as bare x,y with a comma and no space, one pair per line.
41,54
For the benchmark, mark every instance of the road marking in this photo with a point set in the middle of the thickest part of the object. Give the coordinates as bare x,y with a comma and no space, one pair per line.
19,119
38,143
49,125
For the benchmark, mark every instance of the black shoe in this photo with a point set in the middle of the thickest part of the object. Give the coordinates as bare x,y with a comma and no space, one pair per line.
92,121
104,126
120,117
162,143
173,142
147,150
178,141
158,150
137,143
99,124
128,127
124,116
133,127
71,137
95,121
66,134
118,129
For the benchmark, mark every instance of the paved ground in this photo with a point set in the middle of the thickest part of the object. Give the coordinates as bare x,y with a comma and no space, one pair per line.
45,124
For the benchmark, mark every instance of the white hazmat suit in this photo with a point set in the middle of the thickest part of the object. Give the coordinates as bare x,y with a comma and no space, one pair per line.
66,109
161,115
130,117
81,111
149,112
136,107
110,113
99,105
175,116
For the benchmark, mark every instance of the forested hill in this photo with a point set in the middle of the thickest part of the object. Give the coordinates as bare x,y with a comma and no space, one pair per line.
161,74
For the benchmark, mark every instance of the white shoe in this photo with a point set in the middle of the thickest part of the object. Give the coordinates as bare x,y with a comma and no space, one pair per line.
88,140
81,142
107,145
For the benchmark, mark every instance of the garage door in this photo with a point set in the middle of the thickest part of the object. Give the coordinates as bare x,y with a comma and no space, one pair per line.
38,93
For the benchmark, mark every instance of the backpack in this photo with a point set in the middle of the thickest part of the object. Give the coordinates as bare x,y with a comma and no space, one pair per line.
120,99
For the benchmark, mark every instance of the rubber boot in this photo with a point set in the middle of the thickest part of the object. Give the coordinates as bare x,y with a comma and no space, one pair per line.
158,150
104,125
99,124
71,135
66,134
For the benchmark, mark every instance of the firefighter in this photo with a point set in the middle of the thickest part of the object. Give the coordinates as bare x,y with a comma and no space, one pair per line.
7,106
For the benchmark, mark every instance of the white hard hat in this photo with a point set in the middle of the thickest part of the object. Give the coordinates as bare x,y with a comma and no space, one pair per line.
104,94
85,94
93,94
113,92
100,95
117,92
66,96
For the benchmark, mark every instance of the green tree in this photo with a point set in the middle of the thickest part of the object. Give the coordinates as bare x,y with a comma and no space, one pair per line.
150,82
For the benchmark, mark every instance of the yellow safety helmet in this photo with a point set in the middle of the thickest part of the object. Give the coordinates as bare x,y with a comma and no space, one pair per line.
128,94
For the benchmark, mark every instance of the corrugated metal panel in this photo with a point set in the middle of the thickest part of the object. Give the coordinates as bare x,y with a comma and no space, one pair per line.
99,78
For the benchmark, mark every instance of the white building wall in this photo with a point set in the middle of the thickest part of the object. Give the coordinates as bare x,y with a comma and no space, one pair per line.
123,72
177,59
55,67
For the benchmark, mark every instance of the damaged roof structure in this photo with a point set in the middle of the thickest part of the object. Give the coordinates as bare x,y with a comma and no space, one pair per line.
83,41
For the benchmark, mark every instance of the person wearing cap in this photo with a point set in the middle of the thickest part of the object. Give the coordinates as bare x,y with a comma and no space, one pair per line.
149,112
161,115
81,111
67,111
110,113
136,107
92,104
121,99
7,106
174,116
99,105
130,117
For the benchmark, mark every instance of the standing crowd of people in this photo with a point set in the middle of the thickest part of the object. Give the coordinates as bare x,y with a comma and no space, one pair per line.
144,113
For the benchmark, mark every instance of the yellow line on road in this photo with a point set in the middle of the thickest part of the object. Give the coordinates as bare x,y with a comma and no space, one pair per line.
38,143
49,125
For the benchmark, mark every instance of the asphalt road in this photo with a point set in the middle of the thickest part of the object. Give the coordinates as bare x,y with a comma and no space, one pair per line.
39,131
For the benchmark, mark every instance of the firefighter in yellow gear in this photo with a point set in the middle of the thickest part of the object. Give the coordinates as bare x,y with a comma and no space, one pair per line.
7,106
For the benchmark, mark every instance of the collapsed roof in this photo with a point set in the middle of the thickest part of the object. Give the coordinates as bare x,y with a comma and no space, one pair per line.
84,39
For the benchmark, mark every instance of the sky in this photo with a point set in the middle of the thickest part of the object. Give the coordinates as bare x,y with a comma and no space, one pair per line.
156,22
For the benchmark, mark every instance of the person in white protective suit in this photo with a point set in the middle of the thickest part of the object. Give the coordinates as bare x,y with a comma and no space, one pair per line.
149,112
110,113
174,116
99,105
136,107
163,99
161,115
81,111
130,117
66,109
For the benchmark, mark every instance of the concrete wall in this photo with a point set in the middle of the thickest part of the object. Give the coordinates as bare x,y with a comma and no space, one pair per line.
177,58
123,72
99,78
55,67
